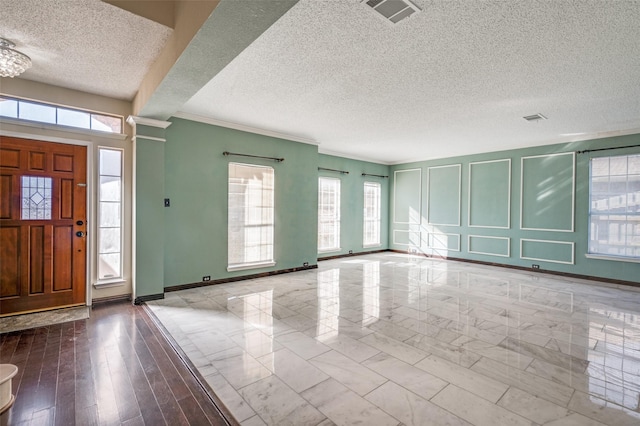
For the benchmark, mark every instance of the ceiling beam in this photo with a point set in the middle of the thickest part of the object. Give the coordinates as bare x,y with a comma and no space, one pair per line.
160,11
230,28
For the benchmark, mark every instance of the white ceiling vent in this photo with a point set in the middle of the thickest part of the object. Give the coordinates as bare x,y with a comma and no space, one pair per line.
393,10
535,117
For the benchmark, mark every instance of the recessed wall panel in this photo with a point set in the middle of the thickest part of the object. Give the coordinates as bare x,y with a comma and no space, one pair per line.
547,195
491,246
443,205
547,251
407,196
490,194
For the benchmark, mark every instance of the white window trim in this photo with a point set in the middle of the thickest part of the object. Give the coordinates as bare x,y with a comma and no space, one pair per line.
246,266
378,185
605,256
119,280
339,216
262,263
614,258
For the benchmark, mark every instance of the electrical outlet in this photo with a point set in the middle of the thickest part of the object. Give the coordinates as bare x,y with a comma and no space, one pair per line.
206,278
167,202
350,251
535,266
305,264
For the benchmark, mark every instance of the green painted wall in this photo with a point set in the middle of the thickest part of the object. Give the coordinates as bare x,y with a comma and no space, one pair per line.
352,201
149,216
547,198
196,181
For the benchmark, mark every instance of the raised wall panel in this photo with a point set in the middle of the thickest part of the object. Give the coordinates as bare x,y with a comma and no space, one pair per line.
547,194
36,259
10,263
6,199
490,194
37,160
491,246
62,258
443,202
10,158
547,251
66,199
407,196
62,163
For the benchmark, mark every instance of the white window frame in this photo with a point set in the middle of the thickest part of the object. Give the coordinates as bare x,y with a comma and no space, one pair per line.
263,262
333,215
592,251
372,215
120,276
57,111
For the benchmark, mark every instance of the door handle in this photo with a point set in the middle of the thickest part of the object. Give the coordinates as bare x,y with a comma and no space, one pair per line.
80,234
79,223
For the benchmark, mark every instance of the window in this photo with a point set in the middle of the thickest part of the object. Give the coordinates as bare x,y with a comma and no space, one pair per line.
110,214
614,215
251,216
328,214
371,231
36,198
52,114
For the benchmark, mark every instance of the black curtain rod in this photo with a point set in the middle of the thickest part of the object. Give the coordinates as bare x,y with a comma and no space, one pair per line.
344,172
607,149
277,160
369,174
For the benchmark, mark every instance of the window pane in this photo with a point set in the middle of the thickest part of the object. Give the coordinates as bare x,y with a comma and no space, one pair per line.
69,117
36,198
109,266
371,227
328,214
110,188
37,112
106,123
110,162
614,204
109,215
8,108
109,240
250,214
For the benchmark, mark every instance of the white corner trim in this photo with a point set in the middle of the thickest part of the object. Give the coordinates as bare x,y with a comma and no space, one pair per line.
133,120
150,138
243,127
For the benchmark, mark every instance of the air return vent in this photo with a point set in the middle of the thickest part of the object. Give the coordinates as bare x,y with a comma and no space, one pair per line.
393,10
535,117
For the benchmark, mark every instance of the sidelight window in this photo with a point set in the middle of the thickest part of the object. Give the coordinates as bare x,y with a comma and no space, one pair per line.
110,214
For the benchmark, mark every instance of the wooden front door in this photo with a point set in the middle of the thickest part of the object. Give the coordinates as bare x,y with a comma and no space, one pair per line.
43,220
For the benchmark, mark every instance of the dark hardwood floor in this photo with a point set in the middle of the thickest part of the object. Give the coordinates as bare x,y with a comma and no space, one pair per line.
115,368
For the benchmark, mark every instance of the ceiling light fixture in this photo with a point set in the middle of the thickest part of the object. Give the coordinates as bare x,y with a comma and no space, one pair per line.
12,62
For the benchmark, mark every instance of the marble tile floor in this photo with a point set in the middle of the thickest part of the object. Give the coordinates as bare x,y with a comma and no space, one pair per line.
392,339
42,319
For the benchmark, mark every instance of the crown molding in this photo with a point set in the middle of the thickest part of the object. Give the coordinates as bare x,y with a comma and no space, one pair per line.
243,127
134,120
352,157
564,138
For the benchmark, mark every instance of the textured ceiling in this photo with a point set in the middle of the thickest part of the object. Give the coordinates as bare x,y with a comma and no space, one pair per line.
457,78
85,45
454,79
